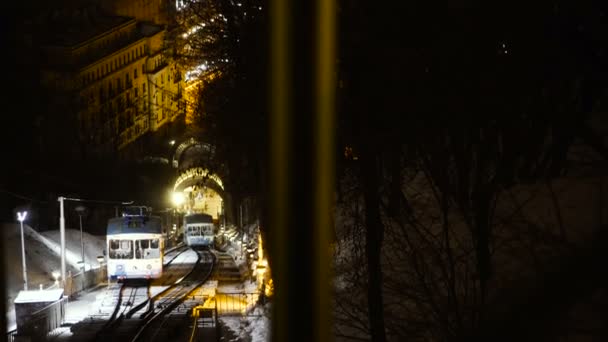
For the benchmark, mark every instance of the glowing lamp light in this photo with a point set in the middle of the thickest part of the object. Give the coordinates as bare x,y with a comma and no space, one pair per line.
56,275
21,216
177,198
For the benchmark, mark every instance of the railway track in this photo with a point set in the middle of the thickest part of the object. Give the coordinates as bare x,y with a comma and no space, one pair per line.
169,299
180,249
118,300
131,295
137,315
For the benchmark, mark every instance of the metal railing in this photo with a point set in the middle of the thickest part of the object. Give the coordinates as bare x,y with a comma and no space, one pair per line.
41,322
204,317
85,279
11,335
232,304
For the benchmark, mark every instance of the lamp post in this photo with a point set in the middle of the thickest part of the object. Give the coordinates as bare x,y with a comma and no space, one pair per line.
61,201
81,210
21,217
56,275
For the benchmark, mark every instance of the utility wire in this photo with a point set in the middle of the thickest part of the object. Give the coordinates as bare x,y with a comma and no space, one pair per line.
22,196
98,201
16,195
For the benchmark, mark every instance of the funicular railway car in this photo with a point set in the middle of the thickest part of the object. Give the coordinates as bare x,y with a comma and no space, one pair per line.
135,245
199,231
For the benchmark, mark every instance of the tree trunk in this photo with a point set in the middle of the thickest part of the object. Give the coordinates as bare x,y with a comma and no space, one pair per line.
374,236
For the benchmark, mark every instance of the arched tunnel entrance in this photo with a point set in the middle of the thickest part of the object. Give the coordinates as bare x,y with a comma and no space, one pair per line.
201,192
196,189
191,152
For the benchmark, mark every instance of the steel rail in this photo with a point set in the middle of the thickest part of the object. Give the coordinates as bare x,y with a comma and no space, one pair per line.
113,316
174,301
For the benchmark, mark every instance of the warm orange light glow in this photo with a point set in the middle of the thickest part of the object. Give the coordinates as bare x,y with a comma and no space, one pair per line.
177,198
260,247
269,288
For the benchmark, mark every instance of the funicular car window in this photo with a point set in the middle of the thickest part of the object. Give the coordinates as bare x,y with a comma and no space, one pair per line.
114,244
195,230
147,249
121,249
139,249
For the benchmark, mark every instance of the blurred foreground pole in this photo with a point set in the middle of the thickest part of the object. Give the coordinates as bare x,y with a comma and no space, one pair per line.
3,281
324,163
301,177
62,239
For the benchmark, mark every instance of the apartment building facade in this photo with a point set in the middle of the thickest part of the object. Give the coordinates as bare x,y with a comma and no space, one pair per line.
111,74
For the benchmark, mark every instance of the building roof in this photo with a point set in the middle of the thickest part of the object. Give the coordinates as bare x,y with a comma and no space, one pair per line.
149,29
71,27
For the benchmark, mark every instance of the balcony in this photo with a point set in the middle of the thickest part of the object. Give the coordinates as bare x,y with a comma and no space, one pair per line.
114,92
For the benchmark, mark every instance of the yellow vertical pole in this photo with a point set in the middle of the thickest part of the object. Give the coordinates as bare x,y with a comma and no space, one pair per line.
325,162
279,168
301,167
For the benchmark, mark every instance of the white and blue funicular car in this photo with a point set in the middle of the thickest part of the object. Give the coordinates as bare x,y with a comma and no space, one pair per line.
199,231
135,245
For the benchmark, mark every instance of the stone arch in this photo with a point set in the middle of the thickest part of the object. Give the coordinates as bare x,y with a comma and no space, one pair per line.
192,142
198,174
199,181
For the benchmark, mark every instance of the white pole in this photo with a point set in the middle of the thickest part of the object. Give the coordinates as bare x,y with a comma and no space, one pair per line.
81,242
23,258
62,239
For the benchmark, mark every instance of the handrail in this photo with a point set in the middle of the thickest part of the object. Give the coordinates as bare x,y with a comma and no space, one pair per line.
32,327
11,335
194,328
63,298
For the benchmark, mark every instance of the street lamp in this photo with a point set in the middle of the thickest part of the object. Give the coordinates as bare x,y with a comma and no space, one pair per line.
61,201
21,217
56,275
81,210
177,198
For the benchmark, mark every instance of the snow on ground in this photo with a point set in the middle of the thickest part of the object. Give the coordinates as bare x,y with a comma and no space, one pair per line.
254,327
236,244
86,304
42,258
247,286
93,247
187,257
